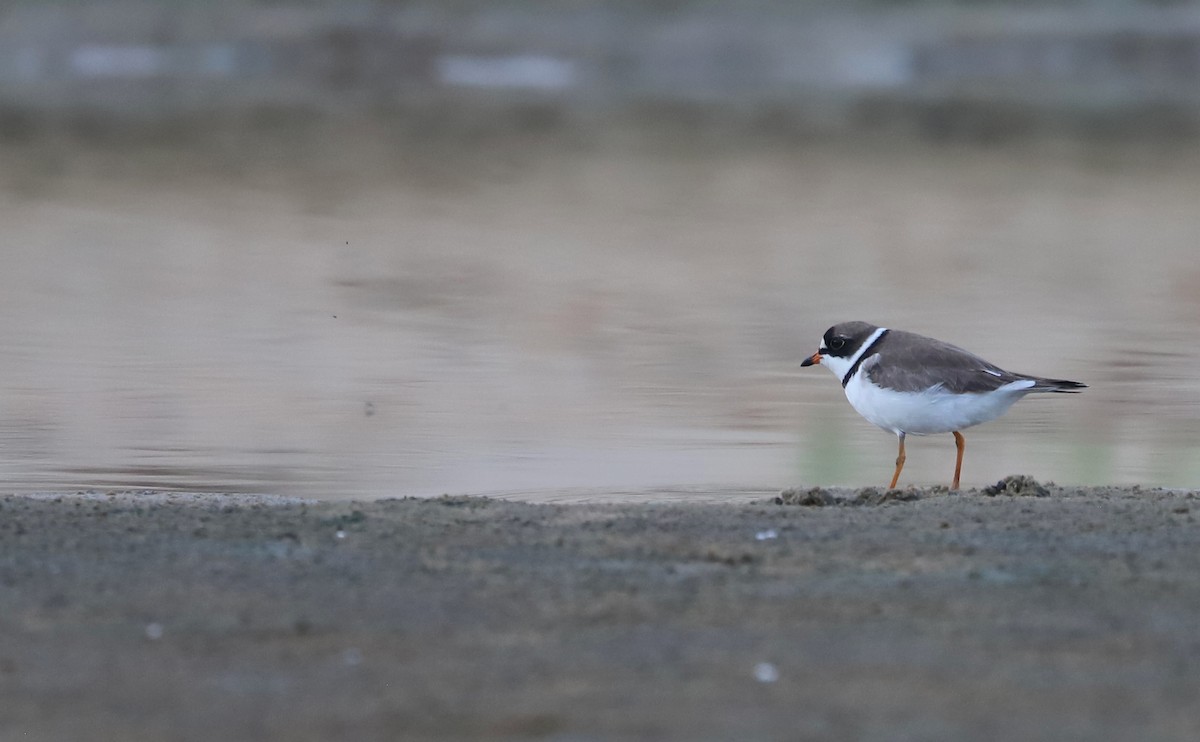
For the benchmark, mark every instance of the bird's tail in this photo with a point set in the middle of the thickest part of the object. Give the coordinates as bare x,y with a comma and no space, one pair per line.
1056,385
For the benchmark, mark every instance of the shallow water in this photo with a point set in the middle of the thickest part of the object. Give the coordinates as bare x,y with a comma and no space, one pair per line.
373,319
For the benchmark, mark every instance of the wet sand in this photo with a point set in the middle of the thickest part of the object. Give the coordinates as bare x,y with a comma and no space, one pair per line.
845,615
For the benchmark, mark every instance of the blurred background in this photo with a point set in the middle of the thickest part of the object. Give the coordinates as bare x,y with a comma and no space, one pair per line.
578,249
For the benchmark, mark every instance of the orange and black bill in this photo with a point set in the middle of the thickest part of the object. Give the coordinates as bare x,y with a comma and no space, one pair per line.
812,360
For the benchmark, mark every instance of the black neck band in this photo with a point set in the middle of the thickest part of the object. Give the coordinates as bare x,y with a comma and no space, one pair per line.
862,357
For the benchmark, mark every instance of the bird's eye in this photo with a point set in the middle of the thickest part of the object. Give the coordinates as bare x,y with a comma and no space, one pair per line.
836,343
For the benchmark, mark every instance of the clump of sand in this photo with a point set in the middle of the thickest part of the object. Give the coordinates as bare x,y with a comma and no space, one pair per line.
1018,485
867,496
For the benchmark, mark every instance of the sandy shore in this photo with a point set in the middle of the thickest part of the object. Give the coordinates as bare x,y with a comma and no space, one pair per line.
855,615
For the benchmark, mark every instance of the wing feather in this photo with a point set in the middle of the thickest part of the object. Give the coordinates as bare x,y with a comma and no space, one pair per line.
908,362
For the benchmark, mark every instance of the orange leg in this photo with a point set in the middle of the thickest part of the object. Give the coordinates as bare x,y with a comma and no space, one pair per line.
899,463
962,444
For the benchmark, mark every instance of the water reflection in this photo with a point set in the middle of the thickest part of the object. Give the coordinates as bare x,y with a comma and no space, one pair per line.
366,320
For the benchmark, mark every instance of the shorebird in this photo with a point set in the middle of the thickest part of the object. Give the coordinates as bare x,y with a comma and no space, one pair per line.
908,383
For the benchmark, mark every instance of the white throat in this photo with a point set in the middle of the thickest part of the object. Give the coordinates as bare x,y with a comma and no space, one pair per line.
840,366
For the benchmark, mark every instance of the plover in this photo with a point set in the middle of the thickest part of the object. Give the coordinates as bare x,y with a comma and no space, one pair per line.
908,383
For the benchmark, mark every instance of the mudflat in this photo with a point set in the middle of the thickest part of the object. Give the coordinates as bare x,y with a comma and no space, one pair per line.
1029,612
